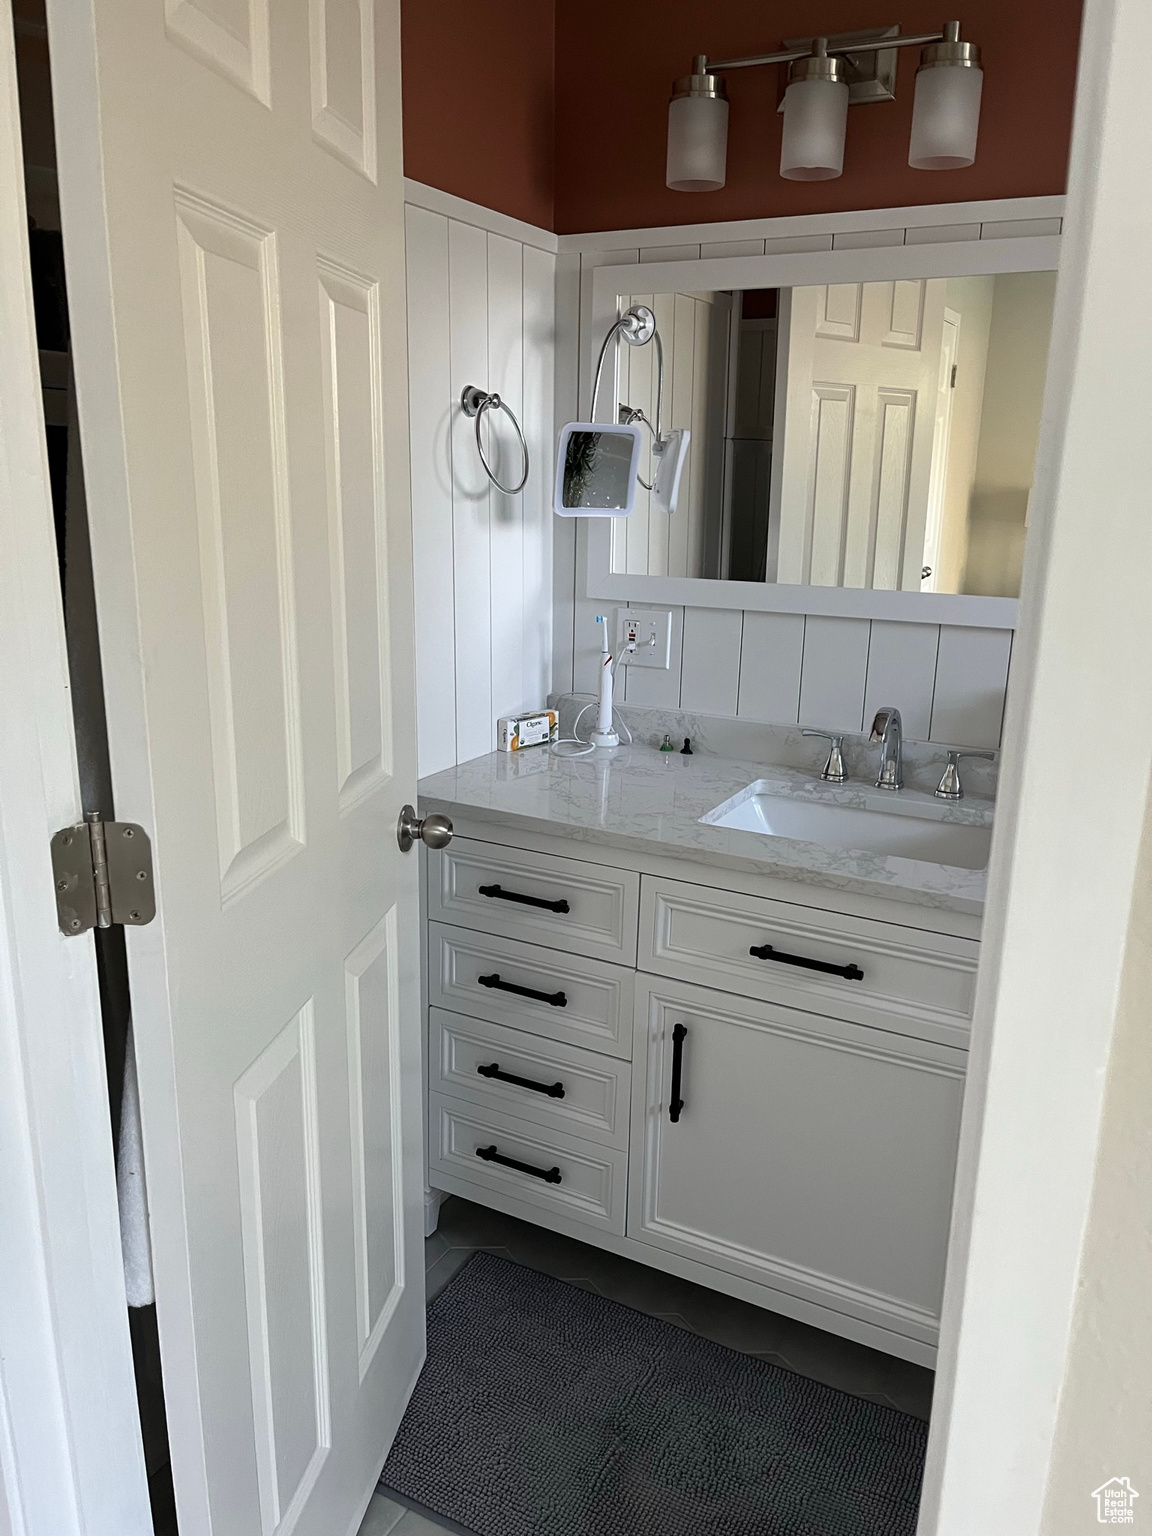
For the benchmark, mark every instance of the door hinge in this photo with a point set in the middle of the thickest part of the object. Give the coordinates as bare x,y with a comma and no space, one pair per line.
102,871
953,383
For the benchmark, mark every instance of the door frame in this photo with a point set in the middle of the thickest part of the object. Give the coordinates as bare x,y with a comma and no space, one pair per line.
1027,1160
71,1457
1065,854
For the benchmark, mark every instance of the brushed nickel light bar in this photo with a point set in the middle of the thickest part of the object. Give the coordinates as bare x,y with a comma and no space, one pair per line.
826,75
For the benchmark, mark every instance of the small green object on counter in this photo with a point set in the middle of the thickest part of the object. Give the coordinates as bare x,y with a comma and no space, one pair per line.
666,744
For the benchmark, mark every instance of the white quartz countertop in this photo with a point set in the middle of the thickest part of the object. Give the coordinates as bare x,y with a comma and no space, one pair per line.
652,802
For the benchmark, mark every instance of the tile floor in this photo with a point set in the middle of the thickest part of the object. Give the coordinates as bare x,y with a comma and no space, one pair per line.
837,1362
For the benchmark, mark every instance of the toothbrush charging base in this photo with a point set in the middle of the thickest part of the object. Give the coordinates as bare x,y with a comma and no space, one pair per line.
604,738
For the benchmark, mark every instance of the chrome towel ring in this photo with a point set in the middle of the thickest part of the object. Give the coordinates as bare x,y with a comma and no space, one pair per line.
475,403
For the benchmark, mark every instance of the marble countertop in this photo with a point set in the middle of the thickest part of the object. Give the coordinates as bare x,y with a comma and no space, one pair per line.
652,802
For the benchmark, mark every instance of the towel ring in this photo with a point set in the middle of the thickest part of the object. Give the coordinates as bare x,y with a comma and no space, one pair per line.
475,403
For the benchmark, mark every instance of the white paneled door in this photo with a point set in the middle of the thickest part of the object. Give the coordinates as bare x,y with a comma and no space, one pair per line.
862,362
232,202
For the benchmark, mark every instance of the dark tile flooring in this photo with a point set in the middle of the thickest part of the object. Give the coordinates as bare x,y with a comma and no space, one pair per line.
464,1228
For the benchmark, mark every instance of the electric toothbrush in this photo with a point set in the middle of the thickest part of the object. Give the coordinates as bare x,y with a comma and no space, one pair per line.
604,735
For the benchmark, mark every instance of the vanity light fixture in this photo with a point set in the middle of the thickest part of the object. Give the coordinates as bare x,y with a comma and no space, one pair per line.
815,116
827,74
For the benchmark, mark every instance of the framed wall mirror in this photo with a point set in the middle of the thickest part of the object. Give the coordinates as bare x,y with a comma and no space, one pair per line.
863,429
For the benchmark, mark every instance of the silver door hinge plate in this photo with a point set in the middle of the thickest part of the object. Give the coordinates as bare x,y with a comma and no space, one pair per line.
102,871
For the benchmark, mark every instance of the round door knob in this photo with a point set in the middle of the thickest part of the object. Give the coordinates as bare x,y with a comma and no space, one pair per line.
434,830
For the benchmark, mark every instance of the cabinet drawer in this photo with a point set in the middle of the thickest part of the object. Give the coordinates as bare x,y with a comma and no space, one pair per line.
589,1094
895,978
586,1002
584,909
589,1180
808,1154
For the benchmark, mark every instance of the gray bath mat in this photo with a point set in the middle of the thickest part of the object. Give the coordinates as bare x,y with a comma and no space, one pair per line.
545,1410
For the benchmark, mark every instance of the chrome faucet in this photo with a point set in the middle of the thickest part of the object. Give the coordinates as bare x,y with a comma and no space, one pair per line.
888,730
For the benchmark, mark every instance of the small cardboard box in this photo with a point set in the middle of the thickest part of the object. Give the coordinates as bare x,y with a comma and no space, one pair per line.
515,732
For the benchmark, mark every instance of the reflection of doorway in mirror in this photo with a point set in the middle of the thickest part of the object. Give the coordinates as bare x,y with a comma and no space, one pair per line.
941,447
742,533
694,330
862,366
849,435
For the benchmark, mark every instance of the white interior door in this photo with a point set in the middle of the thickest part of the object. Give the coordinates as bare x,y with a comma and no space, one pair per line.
858,426
71,1460
232,202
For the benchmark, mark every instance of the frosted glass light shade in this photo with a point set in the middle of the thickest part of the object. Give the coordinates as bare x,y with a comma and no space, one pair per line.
815,120
697,143
945,117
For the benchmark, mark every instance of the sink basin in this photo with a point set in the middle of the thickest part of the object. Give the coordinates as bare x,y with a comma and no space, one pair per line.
906,833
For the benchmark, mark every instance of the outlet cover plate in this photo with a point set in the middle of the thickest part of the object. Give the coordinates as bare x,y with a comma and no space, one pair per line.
652,629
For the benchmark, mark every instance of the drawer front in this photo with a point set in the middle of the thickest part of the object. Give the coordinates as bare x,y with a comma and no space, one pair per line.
584,909
588,1095
895,978
588,1181
809,1154
586,1002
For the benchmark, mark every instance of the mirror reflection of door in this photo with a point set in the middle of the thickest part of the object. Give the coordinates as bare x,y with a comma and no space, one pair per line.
874,435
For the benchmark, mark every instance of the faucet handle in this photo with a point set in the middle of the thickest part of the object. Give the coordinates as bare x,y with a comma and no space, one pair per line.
950,787
834,771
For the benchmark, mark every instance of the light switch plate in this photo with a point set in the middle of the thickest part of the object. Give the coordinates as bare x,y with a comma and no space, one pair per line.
652,631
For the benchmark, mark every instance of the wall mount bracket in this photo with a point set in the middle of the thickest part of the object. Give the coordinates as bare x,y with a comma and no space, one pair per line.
102,872
871,73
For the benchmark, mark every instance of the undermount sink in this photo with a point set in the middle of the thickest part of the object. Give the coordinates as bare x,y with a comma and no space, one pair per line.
909,832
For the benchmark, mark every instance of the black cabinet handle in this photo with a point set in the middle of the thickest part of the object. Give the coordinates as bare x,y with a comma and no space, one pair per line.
679,1033
553,999
553,1090
498,894
766,952
490,1155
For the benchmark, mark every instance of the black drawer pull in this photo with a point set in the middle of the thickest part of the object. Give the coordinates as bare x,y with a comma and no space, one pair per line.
553,1090
678,1035
553,999
498,894
766,952
490,1155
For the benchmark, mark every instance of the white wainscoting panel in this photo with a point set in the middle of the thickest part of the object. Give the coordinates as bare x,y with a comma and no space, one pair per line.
430,416
710,679
902,671
866,239
835,673
771,659
971,676
467,300
670,252
790,245
481,310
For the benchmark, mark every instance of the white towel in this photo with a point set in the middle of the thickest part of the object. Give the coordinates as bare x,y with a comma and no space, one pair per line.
132,1191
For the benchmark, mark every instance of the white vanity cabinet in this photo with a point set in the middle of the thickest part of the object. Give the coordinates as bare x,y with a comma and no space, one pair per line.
795,1150
816,1042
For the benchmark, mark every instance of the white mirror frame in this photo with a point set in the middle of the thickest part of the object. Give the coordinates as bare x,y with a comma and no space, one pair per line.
955,258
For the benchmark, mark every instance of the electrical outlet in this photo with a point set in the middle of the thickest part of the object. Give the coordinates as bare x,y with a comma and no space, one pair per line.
652,632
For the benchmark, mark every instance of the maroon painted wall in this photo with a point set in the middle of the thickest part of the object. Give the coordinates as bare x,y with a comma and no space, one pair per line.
556,110
479,100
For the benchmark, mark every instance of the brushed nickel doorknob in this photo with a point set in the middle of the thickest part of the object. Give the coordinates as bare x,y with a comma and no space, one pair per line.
435,830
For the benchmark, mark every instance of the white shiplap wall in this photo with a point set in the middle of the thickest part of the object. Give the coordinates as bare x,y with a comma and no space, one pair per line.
481,310
785,668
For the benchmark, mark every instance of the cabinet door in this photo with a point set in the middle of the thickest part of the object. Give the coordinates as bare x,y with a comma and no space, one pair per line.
810,1155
